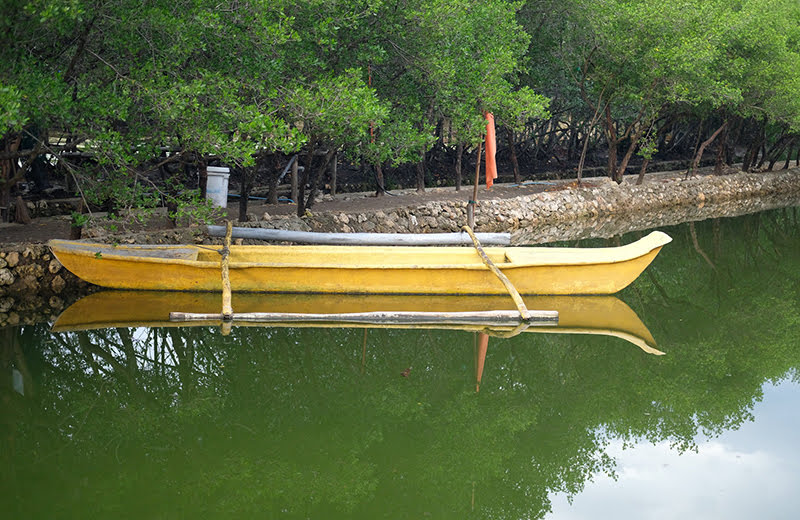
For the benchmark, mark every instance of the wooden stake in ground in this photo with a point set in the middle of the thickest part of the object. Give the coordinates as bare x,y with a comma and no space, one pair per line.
22,216
474,200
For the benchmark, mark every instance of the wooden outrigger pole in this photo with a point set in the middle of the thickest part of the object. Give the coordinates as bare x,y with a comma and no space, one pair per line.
227,308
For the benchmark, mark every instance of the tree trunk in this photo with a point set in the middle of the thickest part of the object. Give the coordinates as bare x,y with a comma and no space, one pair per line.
21,214
420,166
294,178
586,138
538,148
514,161
763,147
379,180
613,141
9,178
459,155
774,153
789,154
702,148
203,177
317,175
623,167
273,177
303,180
748,163
721,147
333,172
750,157
76,224
689,170
272,189
642,171
247,175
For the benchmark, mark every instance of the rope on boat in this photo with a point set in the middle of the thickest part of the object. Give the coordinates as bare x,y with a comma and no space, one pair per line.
512,291
227,308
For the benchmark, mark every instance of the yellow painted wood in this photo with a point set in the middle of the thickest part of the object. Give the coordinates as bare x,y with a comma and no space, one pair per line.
361,269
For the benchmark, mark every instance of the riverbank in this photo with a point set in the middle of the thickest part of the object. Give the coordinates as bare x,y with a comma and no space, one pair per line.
30,278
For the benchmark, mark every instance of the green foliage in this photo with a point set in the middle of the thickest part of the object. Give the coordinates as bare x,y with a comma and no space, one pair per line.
189,205
335,111
11,116
396,141
127,80
78,219
648,146
646,59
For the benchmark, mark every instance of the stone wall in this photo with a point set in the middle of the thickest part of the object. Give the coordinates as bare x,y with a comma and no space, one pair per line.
34,285
602,210
48,208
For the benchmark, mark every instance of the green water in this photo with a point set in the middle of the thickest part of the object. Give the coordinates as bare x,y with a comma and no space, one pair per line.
321,423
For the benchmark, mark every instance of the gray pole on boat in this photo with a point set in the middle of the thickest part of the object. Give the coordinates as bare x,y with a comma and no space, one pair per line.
363,239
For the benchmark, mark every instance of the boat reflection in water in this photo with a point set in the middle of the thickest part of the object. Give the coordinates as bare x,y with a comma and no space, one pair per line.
599,315
603,315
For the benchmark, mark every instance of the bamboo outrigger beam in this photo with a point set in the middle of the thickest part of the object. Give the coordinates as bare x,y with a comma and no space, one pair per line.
362,239
487,318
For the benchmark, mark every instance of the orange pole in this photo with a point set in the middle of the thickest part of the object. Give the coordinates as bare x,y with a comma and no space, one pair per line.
491,149
483,346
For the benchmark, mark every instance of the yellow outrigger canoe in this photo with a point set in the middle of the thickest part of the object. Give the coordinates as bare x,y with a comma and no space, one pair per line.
361,269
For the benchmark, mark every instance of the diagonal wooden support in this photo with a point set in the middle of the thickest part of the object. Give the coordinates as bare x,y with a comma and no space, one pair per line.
512,291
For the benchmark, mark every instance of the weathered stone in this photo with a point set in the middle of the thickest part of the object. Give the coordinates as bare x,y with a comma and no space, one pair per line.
31,269
6,277
54,266
6,304
12,259
57,284
30,283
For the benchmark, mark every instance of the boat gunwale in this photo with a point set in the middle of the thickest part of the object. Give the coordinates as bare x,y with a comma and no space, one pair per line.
637,249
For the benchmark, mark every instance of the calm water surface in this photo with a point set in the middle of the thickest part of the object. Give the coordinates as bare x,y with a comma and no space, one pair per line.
150,422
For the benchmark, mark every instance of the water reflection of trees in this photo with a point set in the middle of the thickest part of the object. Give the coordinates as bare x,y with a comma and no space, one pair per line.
306,421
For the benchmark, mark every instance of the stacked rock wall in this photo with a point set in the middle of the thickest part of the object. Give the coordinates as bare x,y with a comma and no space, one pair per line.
603,209
34,285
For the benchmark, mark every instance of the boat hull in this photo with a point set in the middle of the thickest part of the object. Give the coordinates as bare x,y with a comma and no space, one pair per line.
362,269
